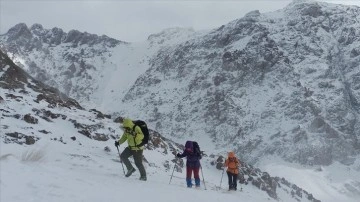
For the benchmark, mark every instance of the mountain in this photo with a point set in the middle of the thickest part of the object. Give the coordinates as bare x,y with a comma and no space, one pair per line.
70,56
282,85
47,135
82,65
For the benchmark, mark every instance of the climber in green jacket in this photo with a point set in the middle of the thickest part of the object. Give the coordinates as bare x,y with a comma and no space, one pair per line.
134,136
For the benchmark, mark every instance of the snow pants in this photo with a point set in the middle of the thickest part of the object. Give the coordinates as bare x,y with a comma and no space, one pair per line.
189,171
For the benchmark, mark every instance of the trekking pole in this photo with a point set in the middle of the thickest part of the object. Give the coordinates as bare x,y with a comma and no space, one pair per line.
202,173
172,173
122,165
222,175
243,174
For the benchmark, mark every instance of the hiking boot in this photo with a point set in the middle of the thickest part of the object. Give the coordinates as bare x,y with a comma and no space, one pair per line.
143,178
129,172
197,182
189,183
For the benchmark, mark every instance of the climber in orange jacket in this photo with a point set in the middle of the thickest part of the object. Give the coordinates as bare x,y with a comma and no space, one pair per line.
232,163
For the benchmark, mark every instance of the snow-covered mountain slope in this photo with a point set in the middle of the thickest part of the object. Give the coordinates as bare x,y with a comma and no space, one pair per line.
70,59
55,150
282,84
82,65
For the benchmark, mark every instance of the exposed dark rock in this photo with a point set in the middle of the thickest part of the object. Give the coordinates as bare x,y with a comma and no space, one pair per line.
46,118
12,96
15,135
119,119
29,140
62,140
14,77
30,119
57,99
20,138
355,52
47,114
85,132
100,115
78,38
312,10
44,131
100,137
17,116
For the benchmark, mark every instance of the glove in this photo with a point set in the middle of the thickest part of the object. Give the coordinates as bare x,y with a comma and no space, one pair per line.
116,143
178,155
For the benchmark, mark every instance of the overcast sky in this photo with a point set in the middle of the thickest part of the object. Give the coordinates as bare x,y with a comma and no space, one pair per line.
132,20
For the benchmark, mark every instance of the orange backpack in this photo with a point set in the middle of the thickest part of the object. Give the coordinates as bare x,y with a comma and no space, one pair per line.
233,163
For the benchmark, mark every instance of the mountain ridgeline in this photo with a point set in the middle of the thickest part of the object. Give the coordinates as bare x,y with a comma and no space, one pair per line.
285,83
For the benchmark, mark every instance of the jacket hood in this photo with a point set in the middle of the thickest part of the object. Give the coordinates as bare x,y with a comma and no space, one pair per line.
231,154
189,144
127,123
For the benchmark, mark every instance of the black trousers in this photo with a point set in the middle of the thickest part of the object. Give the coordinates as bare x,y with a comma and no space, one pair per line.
138,157
232,180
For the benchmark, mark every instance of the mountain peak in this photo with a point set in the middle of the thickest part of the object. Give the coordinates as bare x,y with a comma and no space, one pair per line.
75,36
56,36
254,13
171,35
20,30
37,29
302,1
36,26
305,8
171,32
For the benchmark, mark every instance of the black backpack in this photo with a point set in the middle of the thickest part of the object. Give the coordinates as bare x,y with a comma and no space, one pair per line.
144,130
196,148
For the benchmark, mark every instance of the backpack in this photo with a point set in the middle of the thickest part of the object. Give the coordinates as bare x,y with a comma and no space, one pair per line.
196,147
232,161
144,130
193,147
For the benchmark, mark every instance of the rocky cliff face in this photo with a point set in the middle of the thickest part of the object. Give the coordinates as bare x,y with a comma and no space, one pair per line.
284,83
62,60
